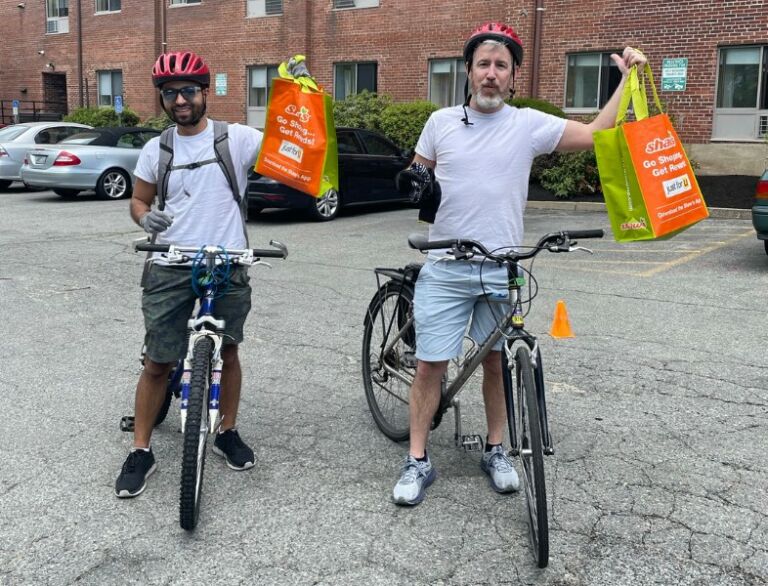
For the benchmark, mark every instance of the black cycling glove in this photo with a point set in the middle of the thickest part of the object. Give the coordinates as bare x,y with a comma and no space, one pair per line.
419,184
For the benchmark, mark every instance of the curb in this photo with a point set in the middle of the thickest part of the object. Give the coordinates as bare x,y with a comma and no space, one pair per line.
592,206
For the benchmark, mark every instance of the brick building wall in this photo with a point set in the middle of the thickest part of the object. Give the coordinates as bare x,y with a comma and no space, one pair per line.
399,35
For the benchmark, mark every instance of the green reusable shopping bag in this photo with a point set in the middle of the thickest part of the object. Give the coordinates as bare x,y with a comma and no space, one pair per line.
649,186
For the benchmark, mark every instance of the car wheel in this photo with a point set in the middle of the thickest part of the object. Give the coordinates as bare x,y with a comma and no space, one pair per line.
765,243
113,184
326,207
67,193
4,184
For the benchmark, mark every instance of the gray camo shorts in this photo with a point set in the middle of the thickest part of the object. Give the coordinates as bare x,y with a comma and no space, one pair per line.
167,304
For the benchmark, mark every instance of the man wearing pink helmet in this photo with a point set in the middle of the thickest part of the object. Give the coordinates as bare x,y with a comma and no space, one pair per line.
198,197
478,157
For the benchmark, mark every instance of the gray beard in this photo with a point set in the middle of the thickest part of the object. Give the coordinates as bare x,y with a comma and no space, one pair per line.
489,103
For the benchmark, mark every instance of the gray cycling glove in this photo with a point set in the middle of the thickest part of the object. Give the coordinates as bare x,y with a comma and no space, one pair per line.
297,67
155,221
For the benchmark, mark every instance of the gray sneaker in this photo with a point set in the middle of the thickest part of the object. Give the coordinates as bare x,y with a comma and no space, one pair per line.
497,465
415,477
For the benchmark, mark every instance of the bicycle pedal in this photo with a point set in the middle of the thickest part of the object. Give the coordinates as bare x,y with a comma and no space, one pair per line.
472,443
549,451
127,423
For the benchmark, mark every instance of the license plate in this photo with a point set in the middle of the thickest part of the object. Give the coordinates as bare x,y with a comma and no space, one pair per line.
39,159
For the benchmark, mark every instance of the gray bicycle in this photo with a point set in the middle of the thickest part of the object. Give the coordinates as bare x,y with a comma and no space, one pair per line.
389,362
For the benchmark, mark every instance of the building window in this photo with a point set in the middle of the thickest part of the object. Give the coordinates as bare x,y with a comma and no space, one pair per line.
355,3
591,80
741,111
353,78
265,8
181,2
738,84
57,16
446,82
107,5
259,83
110,85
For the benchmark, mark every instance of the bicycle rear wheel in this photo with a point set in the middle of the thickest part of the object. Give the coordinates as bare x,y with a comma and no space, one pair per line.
389,360
532,456
195,435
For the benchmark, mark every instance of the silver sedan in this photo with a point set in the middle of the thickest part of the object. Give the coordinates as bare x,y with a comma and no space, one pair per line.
17,139
101,158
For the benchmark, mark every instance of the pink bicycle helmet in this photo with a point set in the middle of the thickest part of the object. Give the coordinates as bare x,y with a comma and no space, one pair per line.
497,32
180,66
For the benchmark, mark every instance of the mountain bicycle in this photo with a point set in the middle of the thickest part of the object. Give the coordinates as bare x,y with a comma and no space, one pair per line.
196,378
389,362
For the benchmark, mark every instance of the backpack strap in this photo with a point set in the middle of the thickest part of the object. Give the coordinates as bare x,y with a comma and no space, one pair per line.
224,156
164,164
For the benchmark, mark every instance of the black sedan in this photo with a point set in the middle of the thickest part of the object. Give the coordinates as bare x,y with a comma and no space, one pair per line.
368,164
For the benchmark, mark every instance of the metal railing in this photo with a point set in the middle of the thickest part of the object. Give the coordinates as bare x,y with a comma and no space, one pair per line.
32,111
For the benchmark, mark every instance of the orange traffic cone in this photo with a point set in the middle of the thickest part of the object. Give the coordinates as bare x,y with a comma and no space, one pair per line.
561,326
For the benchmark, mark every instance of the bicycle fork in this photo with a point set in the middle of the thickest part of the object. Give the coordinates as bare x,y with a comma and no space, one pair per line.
214,390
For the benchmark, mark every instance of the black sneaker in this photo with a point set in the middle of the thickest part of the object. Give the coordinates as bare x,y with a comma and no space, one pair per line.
229,445
139,465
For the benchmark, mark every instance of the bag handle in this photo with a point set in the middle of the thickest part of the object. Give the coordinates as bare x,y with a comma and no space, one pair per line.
634,92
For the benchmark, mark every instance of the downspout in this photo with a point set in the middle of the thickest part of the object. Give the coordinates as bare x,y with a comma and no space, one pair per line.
538,21
163,28
80,50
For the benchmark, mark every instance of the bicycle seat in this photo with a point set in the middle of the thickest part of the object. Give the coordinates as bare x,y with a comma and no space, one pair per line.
417,241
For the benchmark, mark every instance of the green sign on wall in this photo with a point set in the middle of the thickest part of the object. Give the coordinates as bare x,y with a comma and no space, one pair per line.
674,73
221,84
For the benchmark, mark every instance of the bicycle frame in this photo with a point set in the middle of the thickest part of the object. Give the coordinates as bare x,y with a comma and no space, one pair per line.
510,327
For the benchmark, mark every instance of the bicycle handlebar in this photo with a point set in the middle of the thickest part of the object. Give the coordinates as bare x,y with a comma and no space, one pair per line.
279,250
553,242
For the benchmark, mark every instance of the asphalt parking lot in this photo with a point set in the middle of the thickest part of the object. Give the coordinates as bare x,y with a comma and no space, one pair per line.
658,409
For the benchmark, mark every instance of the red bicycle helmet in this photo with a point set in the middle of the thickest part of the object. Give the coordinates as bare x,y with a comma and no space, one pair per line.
494,31
180,66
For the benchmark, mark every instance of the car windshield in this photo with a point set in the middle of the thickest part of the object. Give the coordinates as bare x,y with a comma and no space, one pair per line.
11,132
81,138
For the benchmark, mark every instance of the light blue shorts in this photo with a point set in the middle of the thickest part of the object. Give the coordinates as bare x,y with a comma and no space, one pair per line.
450,292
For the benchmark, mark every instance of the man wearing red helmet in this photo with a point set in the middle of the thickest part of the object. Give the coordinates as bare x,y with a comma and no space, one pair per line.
478,157
198,201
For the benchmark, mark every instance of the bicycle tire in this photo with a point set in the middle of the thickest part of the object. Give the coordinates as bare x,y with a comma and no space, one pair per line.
195,435
163,413
532,456
388,396
171,389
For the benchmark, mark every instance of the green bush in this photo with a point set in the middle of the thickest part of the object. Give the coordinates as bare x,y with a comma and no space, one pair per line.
572,174
361,110
159,122
403,123
541,105
102,116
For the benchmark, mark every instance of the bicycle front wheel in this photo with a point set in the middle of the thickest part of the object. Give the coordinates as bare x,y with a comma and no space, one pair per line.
532,456
389,358
195,435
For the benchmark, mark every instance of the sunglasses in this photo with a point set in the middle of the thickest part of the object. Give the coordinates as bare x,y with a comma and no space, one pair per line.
187,92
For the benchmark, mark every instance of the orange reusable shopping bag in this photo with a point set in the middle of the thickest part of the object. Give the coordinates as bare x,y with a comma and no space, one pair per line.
299,145
648,183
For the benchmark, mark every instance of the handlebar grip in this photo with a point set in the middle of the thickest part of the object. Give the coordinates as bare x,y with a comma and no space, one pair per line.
585,233
257,252
150,247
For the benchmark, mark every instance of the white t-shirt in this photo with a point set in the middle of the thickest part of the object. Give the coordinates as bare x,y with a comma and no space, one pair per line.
484,169
200,200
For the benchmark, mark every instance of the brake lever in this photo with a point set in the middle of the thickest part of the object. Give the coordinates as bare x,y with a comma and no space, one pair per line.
575,248
261,262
